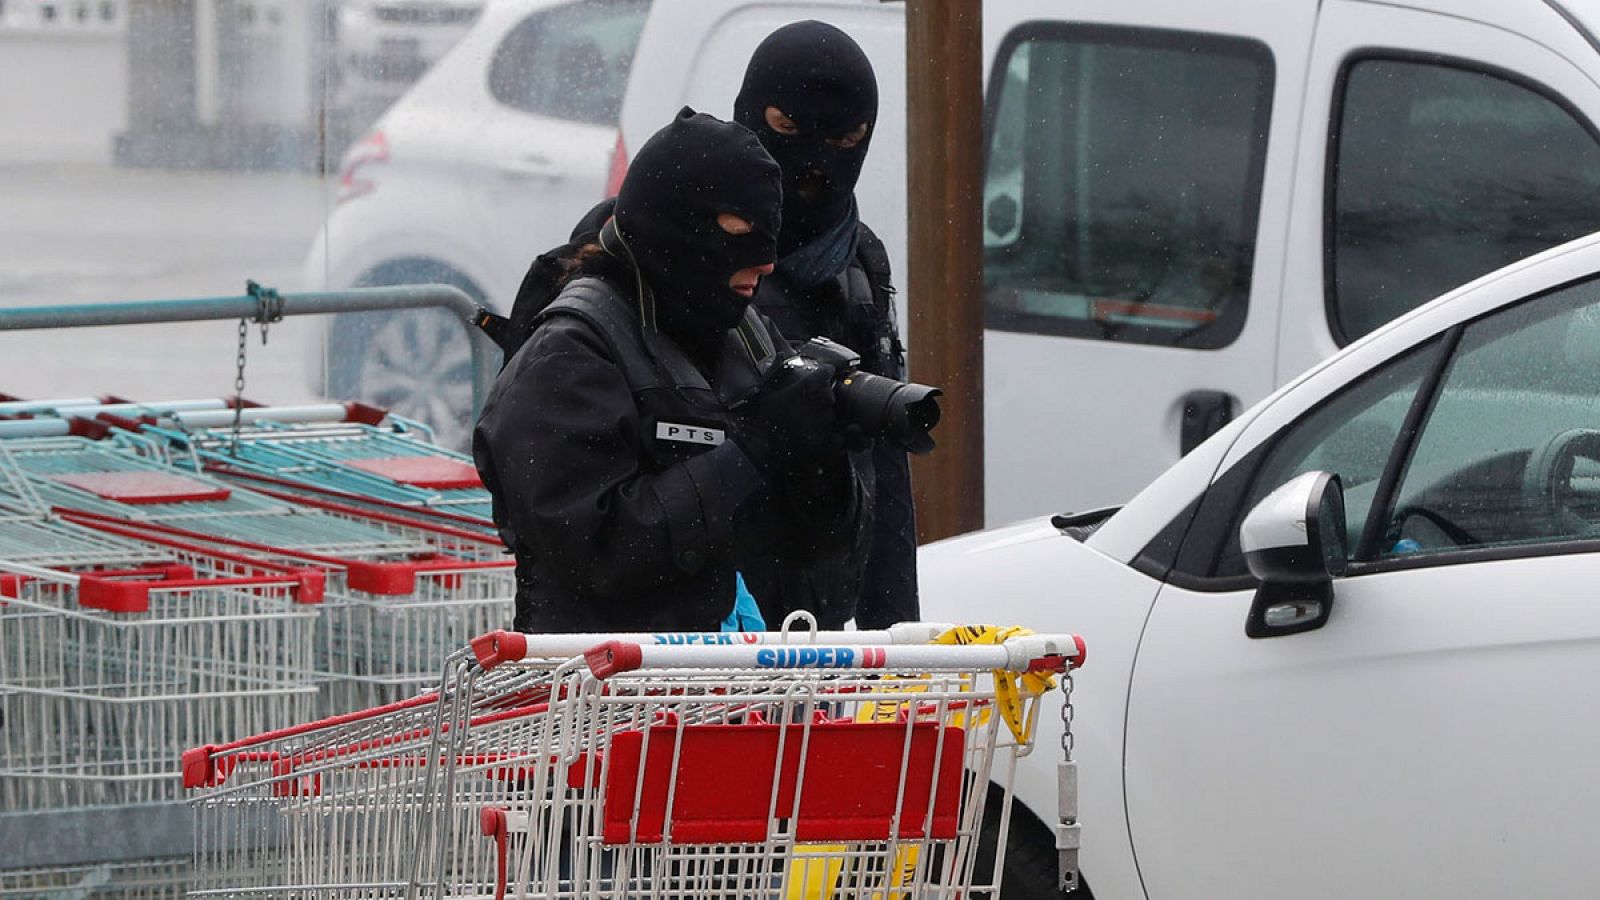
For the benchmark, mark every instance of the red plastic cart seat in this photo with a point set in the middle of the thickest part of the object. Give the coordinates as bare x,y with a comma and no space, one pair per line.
144,487
422,471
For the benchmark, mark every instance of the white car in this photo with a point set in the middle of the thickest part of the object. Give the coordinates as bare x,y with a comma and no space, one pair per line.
489,160
381,47
1295,690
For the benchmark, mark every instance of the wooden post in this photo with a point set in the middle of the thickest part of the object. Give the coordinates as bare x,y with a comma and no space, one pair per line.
944,153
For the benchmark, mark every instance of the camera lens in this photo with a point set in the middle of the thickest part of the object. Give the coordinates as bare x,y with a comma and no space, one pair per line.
896,411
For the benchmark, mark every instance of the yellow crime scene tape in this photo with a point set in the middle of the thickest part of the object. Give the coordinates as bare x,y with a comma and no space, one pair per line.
818,878
1009,687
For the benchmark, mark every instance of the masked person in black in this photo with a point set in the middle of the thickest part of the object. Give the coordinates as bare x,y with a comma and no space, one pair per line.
811,97
648,438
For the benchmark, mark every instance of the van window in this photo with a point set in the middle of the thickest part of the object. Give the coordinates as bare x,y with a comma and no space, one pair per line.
1123,183
570,62
1441,174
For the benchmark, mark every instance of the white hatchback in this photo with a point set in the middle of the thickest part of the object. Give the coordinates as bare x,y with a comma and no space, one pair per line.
489,160
1384,690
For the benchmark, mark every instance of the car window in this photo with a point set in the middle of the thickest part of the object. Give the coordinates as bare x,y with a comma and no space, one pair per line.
1510,452
1352,434
1123,183
570,61
1442,174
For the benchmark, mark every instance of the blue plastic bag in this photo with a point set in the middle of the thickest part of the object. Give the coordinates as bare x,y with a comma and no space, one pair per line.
746,615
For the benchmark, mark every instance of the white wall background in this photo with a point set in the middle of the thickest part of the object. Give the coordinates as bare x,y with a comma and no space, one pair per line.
63,65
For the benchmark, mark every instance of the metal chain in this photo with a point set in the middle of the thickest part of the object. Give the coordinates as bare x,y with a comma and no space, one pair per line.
238,382
1067,713
269,309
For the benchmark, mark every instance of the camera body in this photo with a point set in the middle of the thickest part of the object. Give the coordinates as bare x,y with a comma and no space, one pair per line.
900,412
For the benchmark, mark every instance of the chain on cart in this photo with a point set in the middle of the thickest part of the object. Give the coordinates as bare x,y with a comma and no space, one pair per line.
847,764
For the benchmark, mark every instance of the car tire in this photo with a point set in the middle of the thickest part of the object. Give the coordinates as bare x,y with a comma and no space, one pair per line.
1030,870
416,363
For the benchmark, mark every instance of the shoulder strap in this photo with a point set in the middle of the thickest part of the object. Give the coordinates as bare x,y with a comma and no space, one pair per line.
884,340
539,287
594,302
874,259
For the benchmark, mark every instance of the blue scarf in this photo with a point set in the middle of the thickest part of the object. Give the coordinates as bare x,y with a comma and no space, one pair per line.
811,264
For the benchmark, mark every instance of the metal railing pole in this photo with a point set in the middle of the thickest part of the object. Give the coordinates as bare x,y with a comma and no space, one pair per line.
256,307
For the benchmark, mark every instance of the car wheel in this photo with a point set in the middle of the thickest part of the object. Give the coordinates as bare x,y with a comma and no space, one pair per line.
416,363
1030,870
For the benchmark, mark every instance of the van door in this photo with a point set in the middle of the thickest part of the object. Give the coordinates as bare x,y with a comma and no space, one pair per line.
1438,149
1135,204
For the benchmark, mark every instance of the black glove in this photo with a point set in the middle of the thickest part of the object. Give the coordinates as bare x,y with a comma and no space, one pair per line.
791,419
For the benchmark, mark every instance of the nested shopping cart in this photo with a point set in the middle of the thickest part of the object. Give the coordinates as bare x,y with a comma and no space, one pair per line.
93,476
388,620
734,769
353,449
54,417
329,451
403,593
298,491
142,879
116,651
394,463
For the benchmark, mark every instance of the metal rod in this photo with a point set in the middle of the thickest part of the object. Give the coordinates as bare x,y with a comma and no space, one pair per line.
316,302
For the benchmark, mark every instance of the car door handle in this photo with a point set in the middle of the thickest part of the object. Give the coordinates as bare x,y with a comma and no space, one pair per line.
534,166
1204,413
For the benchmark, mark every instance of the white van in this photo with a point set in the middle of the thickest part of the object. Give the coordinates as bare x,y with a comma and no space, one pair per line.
1189,203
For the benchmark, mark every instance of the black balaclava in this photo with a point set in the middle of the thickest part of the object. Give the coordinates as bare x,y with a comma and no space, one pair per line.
820,78
686,175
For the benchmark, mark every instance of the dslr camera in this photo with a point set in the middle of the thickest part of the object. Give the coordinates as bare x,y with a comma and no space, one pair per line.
899,412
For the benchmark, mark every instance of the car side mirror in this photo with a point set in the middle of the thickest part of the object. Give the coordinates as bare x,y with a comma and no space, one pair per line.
1294,541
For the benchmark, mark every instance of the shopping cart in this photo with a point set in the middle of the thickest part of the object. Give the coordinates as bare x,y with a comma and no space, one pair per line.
703,769
299,490
144,879
393,462
388,620
170,432
40,474
116,650
52,417
79,415
403,593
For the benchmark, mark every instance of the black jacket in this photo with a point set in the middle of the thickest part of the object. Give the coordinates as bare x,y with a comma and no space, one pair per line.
857,310
620,516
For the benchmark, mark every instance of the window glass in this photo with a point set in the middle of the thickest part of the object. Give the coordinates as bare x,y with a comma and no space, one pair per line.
1123,183
1351,435
1510,452
1444,174
570,62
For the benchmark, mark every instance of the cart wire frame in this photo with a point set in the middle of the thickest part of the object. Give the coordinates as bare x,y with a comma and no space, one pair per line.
848,764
